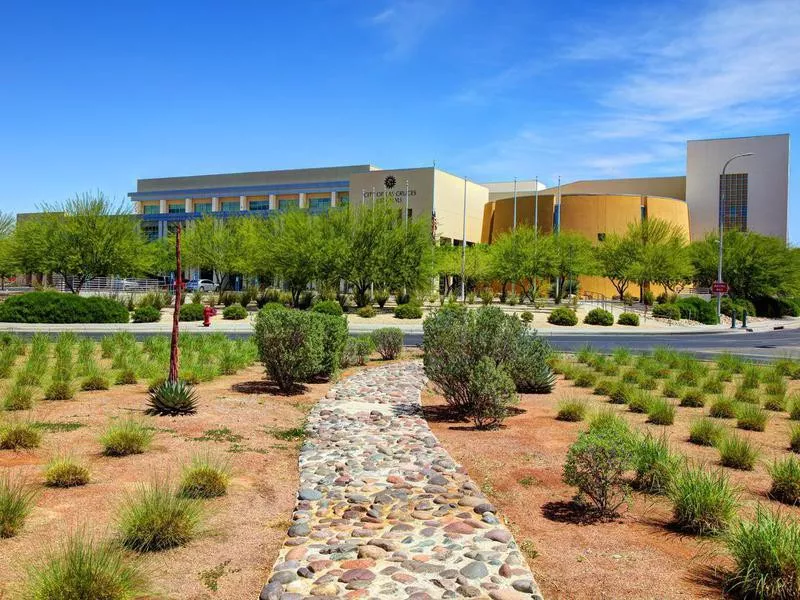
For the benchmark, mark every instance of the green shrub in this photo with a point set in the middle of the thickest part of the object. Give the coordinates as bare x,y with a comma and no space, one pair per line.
59,390
697,309
146,314
126,376
661,412
794,438
739,304
125,437
693,398
621,356
705,432
639,401
408,311
228,298
526,316
794,407
335,334
388,342
563,316
723,408
667,311
64,472
727,361
621,394
95,380
172,398
204,477
787,367
673,388
492,393
628,318
596,464
776,388
57,307
571,410
79,568
604,387
785,475
704,501
586,354
598,316
766,556
356,351
585,378
191,312
19,435
647,383
751,377
381,296
775,403
366,312
751,417
328,307
157,518
737,452
19,397
610,368
655,464
157,300
713,385
290,344
630,376
746,396
234,312
610,420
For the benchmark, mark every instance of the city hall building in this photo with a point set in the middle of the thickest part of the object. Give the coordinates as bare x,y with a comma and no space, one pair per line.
752,195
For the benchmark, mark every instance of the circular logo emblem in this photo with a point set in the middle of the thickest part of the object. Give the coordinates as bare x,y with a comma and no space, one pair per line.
390,181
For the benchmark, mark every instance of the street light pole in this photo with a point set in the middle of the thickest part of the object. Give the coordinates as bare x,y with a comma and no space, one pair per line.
406,215
723,189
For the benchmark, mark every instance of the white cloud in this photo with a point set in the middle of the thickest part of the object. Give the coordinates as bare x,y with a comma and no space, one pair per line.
404,23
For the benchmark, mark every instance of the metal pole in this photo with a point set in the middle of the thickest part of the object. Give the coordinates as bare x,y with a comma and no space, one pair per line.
464,246
536,206
363,195
556,228
723,189
514,227
406,215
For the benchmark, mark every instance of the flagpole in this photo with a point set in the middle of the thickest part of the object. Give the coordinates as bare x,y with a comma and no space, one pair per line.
536,206
464,246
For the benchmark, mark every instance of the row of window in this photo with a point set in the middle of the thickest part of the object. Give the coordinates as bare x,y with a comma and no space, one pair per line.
314,204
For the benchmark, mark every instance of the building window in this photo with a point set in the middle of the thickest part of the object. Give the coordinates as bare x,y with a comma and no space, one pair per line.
177,208
287,203
232,206
150,230
343,199
259,205
202,207
319,205
643,211
734,207
150,209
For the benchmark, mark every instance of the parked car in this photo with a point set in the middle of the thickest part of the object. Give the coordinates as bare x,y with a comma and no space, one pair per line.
201,285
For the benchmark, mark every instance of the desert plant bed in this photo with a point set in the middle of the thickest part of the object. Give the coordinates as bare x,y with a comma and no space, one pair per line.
642,551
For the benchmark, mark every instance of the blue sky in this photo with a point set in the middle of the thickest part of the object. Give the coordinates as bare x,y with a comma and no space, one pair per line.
97,94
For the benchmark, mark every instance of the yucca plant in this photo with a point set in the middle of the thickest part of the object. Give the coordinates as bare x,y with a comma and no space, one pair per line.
156,518
655,464
571,410
205,477
785,475
172,398
16,502
705,432
766,556
737,452
704,501
723,408
65,471
80,568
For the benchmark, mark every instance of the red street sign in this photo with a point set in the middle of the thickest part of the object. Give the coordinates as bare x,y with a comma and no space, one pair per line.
719,287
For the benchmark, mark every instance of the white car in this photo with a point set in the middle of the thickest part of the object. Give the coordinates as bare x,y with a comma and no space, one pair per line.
201,285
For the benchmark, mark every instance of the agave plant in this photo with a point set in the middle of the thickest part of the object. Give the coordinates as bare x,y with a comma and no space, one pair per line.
172,398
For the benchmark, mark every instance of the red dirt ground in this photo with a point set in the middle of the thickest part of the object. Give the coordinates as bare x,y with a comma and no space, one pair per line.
636,556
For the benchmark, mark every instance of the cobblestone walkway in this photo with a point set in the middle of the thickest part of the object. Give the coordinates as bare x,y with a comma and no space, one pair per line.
384,512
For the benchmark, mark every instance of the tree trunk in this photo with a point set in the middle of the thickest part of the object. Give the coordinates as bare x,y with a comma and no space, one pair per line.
173,351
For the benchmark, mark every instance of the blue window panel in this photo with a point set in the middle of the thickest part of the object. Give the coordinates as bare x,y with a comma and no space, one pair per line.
319,205
151,209
287,203
177,208
259,205
202,208
230,206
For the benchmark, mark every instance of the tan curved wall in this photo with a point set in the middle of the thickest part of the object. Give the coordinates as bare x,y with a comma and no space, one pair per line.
589,215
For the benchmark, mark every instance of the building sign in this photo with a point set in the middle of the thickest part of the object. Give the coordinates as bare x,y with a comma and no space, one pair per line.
389,183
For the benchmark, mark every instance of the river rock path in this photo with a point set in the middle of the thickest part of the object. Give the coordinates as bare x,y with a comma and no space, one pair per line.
383,511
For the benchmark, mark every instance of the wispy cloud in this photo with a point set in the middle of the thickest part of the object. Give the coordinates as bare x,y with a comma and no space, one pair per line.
406,22
493,85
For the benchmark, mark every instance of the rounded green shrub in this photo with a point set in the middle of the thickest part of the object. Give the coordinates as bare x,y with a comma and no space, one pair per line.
356,351
563,316
146,314
705,432
571,410
388,342
492,392
366,312
667,311
125,437
328,307
64,472
58,307
204,477
693,398
19,435
234,312
191,312
628,318
598,316
408,311
526,316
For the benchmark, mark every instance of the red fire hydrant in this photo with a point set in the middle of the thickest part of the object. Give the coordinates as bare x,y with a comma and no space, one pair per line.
207,312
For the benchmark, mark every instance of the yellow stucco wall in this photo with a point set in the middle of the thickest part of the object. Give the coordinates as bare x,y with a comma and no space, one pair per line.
587,214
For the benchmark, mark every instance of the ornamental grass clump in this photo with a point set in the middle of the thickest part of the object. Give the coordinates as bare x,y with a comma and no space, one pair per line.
16,502
751,377
775,403
19,435
661,412
18,397
610,420
672,388
655,464
604,387
794,438
785,475
631,375
639,401
727,361
571,410
64,472
95,380
647,383
596,464
205,477
156,518
705,432
693,398
80,568
723,408
585,378
766,556
751,417
125,437
737,452
621,393
703,501
746,396
622,356
713,385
